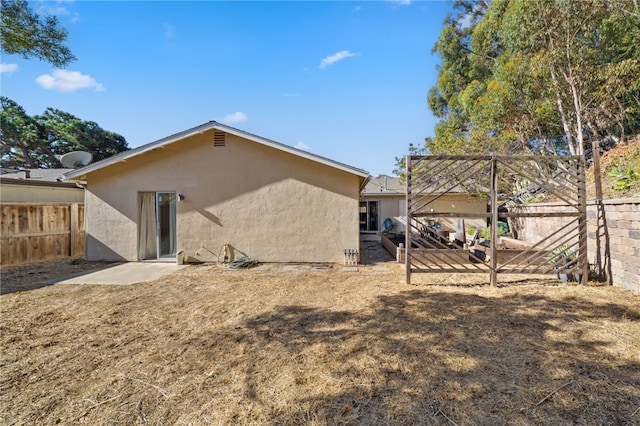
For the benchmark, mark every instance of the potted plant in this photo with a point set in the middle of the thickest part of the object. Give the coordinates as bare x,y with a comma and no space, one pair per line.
563,257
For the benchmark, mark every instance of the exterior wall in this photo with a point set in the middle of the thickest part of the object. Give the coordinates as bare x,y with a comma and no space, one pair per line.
459,203
390,207
613,238
22,193
271,205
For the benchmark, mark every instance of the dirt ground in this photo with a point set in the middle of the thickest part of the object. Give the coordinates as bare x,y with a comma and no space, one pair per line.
305,344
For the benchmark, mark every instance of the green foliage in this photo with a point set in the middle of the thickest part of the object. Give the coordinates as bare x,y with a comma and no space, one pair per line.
401,162
69,133
623,178
526,76
622,165
21,138
34,142
563,256
25,33
486,232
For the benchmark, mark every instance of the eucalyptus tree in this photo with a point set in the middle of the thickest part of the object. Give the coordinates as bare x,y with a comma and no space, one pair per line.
536,76
459,69
586,55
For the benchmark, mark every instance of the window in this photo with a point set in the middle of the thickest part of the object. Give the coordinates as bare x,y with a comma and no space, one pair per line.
369,216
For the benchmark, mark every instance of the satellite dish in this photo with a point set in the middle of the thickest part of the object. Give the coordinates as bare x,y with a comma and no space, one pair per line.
76,159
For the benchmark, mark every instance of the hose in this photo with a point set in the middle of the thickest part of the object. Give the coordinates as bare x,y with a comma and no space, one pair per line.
243,262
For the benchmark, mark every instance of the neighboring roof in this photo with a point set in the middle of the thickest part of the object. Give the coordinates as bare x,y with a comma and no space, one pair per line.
46,175
384,185
78,173
35,182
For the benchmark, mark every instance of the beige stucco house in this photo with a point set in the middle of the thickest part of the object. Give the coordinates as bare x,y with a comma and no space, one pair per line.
384,200
190,194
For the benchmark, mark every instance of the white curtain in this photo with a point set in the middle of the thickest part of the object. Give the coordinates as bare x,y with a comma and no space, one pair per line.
147,239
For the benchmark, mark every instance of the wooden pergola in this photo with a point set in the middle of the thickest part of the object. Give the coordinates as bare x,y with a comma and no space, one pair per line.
506,182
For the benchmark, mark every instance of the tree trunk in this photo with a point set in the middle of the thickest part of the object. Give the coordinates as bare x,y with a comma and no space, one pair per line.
577,105
563,117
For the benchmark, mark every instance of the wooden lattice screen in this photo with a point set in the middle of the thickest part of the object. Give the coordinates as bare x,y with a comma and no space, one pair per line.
504,182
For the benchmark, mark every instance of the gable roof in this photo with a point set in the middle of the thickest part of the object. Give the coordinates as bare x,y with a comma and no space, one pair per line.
384,185
79,173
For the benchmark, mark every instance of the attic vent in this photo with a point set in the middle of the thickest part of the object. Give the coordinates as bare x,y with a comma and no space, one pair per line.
218,138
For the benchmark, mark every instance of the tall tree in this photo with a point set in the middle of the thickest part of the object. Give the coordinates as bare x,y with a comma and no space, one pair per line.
35,142
459,69
21,142
537,76
65,132
26,33
588,51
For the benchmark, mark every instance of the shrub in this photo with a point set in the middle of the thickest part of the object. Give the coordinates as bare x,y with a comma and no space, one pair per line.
621,166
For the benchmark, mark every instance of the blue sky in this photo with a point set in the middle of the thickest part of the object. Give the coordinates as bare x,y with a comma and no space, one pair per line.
345,80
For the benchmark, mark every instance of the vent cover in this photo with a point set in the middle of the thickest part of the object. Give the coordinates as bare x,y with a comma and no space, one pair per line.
218,139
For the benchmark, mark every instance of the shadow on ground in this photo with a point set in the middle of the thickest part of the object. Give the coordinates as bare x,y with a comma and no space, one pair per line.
373,253
32,277
436,358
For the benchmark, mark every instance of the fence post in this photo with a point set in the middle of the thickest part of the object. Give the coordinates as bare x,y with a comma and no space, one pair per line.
597,174
493,199
582,219
407,250
73,230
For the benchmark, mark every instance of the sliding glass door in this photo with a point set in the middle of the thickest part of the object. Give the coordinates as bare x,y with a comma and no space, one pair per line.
157,236
368,216
166,224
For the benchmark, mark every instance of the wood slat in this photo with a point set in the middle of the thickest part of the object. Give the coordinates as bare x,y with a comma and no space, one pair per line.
40,232
431,177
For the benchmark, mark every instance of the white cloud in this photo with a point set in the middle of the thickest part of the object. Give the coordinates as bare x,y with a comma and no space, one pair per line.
335,58
401,2
57,8
68,81
236,117
303,146
357,9
8,68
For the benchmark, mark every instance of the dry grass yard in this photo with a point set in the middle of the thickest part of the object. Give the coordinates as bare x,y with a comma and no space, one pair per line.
296,345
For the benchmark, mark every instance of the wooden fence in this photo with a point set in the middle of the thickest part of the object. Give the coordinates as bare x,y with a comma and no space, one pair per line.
38,232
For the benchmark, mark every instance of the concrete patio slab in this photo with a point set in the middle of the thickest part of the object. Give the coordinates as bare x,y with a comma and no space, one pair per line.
123,274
